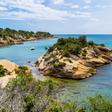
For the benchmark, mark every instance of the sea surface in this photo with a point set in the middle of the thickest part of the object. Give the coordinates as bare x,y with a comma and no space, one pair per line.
101,83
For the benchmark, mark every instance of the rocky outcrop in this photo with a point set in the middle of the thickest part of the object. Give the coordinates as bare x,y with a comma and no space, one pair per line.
12,69
76,67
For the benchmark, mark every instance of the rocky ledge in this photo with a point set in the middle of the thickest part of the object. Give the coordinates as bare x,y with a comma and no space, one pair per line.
74,58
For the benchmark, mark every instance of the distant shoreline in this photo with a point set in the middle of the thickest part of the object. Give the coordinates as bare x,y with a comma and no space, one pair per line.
10,36
22,41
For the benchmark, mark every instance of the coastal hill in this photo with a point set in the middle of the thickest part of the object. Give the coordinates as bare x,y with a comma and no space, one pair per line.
74,58
11,36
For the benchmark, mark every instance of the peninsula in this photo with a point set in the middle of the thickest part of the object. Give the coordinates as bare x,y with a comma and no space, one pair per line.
10,36
74,58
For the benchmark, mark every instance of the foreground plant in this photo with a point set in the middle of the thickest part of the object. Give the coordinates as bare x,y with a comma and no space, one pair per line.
25,94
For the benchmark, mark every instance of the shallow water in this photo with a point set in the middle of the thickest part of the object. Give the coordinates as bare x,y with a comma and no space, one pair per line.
101,83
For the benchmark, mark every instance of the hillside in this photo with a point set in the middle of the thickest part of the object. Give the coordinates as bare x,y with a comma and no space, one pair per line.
11,36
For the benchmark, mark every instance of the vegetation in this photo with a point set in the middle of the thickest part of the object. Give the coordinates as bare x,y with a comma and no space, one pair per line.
10,35
43,34
3,71
25,94
22,69
71,45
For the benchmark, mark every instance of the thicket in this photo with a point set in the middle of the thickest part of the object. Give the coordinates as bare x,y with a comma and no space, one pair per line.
70,45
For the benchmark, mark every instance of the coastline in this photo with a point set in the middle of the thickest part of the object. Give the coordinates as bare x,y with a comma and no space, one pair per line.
22,41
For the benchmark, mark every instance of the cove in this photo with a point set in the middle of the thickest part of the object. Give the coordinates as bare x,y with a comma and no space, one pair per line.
101,83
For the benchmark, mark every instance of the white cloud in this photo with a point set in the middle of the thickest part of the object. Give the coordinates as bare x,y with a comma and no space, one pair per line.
74,6
86,7
83,14
36,10
32,10
58,1
3,8
88,1
104,6
94,19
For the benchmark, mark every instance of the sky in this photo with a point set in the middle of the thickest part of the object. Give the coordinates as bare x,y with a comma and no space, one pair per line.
58,16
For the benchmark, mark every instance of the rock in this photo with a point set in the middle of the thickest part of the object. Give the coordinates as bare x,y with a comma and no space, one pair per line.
32,49
11,67
76,67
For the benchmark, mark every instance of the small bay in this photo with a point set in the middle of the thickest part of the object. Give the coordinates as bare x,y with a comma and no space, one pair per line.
101,83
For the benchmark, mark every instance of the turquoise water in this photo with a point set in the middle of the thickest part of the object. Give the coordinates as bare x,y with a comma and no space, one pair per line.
101,83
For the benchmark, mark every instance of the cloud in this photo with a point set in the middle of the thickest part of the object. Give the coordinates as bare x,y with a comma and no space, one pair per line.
83,14
31,9
74,6
58,1
37,10
3,8
104,6
86,7
88,1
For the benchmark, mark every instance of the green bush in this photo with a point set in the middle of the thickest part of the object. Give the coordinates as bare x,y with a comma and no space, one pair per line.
58,64
99,104
91,43
3,71
21,69
70,45
29,103
40,96
83,40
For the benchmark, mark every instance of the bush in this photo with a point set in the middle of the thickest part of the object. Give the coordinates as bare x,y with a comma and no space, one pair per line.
91,43
69,45
29,103
83,39
3,71
99,104
84,52
58,65
38,96
21,69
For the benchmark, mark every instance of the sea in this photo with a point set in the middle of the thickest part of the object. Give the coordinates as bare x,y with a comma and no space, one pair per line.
73,90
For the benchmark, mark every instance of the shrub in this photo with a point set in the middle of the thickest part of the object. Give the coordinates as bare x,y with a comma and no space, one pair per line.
3,71
83,39
84,52
29,103
58,64
69,45
103,45
21,69
91,43
99,104
40,96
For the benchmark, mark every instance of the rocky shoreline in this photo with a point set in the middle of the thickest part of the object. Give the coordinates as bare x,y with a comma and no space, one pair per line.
5,42
74,66
11,36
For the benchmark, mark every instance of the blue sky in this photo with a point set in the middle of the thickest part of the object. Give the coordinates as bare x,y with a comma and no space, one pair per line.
58,16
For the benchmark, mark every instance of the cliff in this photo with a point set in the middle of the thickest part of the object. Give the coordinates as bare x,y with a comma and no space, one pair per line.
74,58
